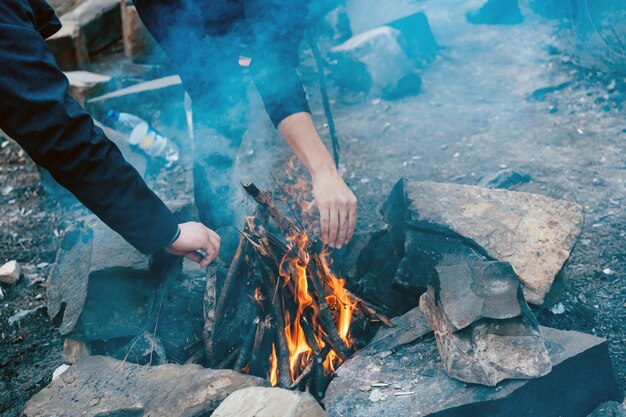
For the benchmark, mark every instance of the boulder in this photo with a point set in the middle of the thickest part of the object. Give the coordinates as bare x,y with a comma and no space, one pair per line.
485,333
505,178
534,233
102,386
375,62
402,363
101,288
87,29
269,402
465,293
10,273
609,409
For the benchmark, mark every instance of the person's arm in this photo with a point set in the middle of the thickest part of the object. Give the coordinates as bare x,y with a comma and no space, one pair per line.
336,203
37,112
277,28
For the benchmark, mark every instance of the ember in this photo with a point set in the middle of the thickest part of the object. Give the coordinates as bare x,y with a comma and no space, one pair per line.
302,311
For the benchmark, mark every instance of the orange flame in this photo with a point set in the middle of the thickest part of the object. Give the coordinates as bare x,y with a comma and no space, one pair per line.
273,367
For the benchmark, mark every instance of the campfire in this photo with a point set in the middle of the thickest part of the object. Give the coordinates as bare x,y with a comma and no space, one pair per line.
299,321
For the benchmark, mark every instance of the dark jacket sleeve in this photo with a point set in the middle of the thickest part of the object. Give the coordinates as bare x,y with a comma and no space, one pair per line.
36,111
277,28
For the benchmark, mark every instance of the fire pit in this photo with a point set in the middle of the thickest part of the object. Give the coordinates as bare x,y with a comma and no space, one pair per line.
282,313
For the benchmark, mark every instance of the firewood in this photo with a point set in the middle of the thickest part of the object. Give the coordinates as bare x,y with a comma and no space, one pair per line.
282,348
306,372
325,317
244,353
286,226
369,311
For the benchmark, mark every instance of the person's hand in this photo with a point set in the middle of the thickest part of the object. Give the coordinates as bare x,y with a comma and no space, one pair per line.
337,206
194,239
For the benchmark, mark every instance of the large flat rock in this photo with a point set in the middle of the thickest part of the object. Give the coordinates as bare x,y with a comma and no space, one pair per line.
269,402
400,374
102,386
534,233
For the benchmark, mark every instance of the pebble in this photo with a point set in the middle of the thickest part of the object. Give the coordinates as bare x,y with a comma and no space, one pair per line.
608,271
7,190
558,308
59,371
1,294
377,396
22,314
10,273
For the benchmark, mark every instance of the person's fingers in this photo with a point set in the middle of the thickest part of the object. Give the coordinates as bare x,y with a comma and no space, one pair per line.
342,236
324,223
334,227
351,220
194,256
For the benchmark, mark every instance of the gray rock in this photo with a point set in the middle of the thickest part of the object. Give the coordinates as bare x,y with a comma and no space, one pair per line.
17,318
144,349
488,351
505,178
105,289
269,402
418,385
88,28
99,386
534,233
10,273
609,409
375,62
1,294
468,292
421,254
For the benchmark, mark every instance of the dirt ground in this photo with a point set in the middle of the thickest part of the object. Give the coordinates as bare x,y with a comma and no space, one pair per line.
482,108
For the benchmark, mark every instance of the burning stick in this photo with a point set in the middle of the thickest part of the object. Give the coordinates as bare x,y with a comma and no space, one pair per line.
282,348
303,375
325,318
369,311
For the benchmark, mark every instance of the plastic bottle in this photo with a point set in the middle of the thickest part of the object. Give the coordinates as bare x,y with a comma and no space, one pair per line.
142,135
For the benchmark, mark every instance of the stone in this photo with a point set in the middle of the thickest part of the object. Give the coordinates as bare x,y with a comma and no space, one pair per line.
87,29
534,233
421,254
84,84
1,294
144,349
581,379
268,402
99,386
375,62
609,409
10,273
372,274
139,45
488,351
468,292
506,178
17,318
145,99
101,288
366,15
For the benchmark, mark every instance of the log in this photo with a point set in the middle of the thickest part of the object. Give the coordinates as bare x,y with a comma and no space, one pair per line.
368,311
246,348
282,348
325,317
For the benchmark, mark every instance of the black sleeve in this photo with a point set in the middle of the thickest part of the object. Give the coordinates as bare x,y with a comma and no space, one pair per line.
36,111
277,28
